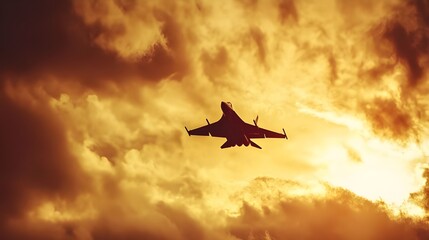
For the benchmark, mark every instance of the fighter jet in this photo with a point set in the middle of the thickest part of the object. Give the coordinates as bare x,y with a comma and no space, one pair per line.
234,129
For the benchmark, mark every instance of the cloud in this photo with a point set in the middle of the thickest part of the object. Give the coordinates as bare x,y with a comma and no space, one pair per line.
287,10
408,38
35,44
422,196
353,155
390,119
36,162
339,215
120,28
387,80
57,39
94,96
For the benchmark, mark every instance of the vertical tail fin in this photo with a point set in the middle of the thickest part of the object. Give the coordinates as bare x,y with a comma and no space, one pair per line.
256,121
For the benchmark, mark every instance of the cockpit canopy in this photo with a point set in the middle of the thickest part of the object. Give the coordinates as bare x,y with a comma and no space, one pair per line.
229,104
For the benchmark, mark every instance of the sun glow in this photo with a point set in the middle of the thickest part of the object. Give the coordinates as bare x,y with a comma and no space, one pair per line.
362,162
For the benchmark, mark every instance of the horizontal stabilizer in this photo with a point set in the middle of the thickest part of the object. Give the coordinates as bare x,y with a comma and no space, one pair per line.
187,131
254,145
227,144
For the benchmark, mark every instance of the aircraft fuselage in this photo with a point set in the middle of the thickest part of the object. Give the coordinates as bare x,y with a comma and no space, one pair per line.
236,133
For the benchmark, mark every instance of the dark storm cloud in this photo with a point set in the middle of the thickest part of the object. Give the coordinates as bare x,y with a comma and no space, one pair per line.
48,37
287,10
405,50
422,7
389,118
401,44
35,162
407,32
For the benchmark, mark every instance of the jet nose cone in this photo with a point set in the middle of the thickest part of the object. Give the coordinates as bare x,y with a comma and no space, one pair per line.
223,106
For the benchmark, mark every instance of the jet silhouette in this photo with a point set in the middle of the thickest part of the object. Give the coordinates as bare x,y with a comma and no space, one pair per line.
234,129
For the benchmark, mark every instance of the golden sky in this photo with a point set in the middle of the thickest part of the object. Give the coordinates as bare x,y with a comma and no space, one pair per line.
94,97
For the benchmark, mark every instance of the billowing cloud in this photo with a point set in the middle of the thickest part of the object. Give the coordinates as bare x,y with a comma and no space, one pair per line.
69,40
400,42
94,96
387,117
36,162
342,215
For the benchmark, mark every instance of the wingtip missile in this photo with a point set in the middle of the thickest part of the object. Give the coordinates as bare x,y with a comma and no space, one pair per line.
284,132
